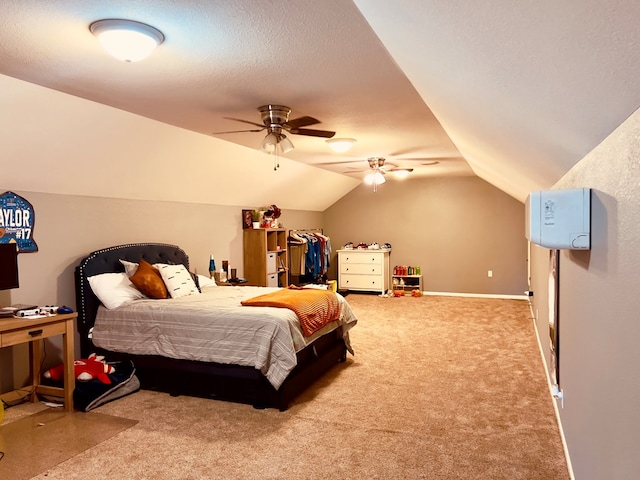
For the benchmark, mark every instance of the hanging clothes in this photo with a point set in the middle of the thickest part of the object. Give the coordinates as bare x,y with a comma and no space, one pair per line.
297,254
310,251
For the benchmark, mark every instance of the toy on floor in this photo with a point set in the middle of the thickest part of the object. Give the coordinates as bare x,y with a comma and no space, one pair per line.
85,369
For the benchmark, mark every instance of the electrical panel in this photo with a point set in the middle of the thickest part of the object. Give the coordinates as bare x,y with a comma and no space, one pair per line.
559,219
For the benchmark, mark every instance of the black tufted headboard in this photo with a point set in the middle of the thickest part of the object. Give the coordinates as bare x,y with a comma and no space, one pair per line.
107,260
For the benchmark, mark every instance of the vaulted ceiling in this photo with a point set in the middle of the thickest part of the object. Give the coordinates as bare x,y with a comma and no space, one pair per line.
514,92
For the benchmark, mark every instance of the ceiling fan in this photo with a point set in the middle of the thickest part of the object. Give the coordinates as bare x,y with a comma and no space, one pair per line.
377,170
275,120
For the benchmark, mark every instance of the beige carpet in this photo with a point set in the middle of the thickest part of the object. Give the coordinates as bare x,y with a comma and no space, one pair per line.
440,388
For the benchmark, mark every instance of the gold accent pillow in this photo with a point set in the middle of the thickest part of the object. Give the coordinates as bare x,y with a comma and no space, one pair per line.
147,279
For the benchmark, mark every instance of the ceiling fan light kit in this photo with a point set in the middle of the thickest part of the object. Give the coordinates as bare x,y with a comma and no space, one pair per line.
127,40
285,144
269,143
340,145
376,176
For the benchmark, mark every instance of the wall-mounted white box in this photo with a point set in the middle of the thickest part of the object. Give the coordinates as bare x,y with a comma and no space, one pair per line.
559,219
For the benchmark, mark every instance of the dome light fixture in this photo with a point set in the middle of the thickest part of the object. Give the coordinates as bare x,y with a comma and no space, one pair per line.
340,145
126,40
402,172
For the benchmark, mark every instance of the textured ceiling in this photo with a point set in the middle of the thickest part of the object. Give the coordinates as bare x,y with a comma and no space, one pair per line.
516,94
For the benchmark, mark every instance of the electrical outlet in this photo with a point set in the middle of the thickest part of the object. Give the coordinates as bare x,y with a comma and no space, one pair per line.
558,394
490,273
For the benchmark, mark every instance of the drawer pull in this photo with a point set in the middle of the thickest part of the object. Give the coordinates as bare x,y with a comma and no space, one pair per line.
35,333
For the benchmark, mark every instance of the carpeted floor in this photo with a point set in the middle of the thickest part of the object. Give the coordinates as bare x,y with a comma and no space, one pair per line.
439,388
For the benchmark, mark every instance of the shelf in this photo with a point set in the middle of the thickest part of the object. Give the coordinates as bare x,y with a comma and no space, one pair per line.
410,282
265,257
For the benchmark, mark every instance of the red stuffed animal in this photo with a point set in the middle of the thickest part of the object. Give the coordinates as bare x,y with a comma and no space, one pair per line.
85,370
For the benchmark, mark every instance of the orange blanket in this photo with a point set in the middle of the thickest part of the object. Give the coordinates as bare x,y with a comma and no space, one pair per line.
315,308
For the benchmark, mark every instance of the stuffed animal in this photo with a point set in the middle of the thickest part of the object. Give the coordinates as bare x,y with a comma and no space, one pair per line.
85,370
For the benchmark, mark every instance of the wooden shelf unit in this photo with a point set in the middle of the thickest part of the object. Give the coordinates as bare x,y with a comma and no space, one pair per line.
407,283
265,257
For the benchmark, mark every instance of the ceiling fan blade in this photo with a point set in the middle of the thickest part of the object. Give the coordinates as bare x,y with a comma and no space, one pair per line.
237,131
246,121
312,133
301,122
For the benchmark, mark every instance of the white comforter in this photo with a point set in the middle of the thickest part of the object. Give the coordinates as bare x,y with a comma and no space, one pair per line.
213,327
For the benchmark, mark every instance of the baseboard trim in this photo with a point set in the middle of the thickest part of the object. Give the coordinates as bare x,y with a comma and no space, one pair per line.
553,399
477,295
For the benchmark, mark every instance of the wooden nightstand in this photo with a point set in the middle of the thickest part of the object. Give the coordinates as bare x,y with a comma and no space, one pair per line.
14,331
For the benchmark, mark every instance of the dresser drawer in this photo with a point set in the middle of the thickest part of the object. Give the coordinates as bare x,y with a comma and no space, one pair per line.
28,334
368,258
361,268
361,282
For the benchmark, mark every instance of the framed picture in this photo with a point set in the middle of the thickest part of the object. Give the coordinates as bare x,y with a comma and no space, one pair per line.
247,221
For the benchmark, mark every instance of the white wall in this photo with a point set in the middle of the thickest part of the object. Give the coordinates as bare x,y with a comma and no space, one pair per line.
599,305
69,227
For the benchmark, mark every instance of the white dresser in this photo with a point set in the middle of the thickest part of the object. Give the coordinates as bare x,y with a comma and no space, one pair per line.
363,270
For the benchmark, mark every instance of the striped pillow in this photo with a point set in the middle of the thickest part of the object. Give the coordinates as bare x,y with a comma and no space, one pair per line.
177,279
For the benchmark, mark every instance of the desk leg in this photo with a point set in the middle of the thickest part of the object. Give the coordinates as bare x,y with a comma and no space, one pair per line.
69,368
35,354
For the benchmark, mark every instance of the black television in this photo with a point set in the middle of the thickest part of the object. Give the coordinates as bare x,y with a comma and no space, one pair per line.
8,266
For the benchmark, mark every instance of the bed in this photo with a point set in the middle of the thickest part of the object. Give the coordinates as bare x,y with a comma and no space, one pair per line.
171,349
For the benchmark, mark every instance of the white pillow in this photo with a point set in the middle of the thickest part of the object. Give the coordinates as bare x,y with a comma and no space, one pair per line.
177,279
204,281
129,267
114,289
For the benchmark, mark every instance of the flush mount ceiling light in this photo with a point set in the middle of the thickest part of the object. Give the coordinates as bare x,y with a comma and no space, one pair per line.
127,40
402,172
340,145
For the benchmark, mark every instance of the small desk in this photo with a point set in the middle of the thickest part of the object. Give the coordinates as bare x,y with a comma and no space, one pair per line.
14,331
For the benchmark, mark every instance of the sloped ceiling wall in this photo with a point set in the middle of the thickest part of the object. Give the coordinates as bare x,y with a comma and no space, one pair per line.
524,89
57,143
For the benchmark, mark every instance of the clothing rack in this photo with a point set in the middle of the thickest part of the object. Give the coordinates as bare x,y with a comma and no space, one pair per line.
307,230
315,261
